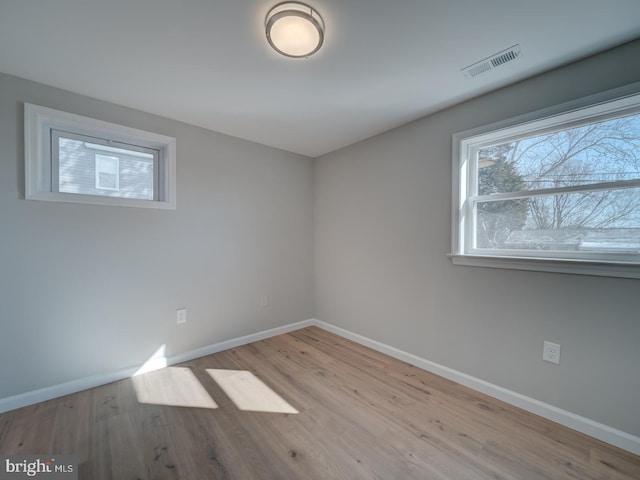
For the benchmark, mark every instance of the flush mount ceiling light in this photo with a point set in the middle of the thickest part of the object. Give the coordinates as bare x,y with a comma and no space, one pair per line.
294,29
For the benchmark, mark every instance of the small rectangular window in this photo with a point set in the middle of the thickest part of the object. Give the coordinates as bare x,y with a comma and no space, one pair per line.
559,189
70,158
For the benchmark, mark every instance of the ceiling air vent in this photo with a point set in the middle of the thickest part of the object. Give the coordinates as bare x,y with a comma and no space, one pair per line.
494,61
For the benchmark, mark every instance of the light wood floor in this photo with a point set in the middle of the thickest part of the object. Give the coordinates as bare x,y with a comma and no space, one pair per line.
363,415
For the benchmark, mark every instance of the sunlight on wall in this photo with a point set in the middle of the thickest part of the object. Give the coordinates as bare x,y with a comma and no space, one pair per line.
248,392
156,361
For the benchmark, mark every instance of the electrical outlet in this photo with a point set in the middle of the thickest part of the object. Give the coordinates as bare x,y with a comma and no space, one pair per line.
181,315
551,352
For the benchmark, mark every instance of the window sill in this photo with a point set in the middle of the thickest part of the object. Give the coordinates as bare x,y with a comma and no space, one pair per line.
576,267
99,200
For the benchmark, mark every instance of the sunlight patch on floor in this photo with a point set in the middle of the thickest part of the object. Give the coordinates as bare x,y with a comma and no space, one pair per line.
248,392
176,386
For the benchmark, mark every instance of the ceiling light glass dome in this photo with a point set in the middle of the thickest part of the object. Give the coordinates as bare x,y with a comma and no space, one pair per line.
294,29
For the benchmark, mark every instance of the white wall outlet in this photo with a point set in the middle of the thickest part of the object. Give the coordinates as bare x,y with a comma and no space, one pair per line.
265,300
181,315
551,352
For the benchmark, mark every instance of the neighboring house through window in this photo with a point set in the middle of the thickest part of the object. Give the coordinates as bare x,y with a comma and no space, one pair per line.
107,172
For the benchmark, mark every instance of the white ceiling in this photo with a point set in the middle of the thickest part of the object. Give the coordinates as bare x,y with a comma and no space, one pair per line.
384,63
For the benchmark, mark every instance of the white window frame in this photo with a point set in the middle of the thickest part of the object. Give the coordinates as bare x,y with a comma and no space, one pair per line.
98,157
41,162
606,105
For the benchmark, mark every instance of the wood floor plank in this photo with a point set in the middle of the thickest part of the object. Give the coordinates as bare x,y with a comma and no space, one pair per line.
362,415
32,429
6,425
71,433
606,460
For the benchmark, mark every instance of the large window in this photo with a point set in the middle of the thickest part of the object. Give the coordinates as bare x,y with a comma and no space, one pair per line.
558,190
70,158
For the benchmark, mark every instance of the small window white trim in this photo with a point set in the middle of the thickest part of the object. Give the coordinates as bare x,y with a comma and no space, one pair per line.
39,174
603,105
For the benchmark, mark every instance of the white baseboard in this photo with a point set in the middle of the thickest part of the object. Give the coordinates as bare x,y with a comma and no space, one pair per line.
607,434
236,342
55,391
62,389
581,424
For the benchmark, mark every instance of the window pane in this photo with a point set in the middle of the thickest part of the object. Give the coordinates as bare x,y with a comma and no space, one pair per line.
94,169
599,152
107,172
603,221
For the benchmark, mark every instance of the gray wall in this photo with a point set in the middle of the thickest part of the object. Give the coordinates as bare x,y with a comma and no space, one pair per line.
86,290
382,233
